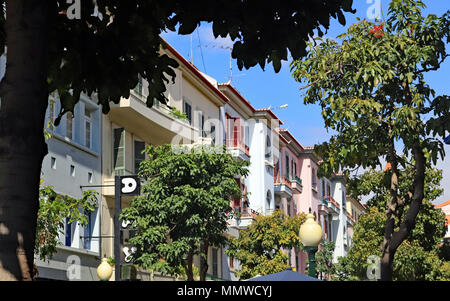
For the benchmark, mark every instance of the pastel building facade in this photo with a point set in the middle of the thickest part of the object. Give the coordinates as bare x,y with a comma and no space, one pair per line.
446,208
354,210
130,126
72,166
250,135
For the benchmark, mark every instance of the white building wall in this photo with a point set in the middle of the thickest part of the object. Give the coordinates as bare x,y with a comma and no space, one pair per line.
339,223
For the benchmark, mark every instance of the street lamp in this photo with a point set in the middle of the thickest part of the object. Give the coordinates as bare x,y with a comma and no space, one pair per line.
311,235
104,270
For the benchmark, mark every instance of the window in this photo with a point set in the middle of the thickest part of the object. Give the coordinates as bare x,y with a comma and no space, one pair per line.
344,203
268,147
72,170
68,240
201,119
287,167
90,177
215,262
139,156
295,169
69,125
53,162
213,134
247,136
313,178
188,111
138,88
88,231
323,189
269,199
292,169
87,130
231,263
119,149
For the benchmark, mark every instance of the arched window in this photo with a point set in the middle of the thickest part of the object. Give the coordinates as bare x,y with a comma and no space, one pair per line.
269,199
268,147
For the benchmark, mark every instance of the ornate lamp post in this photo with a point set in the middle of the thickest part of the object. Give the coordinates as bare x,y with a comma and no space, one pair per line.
311,235
104,270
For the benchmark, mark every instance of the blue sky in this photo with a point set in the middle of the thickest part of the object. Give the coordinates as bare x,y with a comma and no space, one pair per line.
267,88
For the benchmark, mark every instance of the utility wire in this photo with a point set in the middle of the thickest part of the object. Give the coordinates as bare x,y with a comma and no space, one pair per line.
201,50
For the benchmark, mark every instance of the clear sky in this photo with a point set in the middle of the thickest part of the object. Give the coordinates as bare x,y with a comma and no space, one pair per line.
267,88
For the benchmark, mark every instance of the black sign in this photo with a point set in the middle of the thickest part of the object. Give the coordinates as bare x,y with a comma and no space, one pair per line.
130,185
124,186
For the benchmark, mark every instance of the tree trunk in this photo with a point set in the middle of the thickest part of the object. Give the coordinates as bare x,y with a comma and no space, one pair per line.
393,239
204,261
188,268
24,99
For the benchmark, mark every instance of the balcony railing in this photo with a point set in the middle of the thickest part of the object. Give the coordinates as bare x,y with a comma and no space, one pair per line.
235,143
350,216
282,180
298,180
329,199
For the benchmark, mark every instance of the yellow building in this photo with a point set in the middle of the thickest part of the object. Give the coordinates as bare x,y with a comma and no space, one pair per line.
354,210
131,125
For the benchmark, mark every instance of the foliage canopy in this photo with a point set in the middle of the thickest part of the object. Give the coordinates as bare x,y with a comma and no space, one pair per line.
184,206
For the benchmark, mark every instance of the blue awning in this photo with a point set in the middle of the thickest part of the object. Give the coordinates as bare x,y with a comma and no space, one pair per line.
287,275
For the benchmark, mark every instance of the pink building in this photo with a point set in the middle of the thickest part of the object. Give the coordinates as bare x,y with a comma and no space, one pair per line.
446,208
297,187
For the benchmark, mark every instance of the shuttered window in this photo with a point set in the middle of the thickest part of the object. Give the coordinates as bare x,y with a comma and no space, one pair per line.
139,156
119,149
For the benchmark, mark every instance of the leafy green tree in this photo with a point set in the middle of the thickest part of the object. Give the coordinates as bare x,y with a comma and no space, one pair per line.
53,212
56,46
415,259
260,248
372,90
183,207
430,223
324,259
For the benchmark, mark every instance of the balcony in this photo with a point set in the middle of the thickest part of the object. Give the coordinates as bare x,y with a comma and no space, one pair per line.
296,183
350,219
314,187
333,206
282,186
158,123
238,149
246,216
323,208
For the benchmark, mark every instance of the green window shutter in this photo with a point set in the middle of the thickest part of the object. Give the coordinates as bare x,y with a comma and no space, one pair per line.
139,147
119,150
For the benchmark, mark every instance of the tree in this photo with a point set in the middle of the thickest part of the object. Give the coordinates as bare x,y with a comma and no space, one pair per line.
183,207
324,259
260,248
54,210
104,53
372,91
417,257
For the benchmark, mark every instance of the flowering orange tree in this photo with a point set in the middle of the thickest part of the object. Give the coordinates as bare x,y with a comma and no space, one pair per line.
372,90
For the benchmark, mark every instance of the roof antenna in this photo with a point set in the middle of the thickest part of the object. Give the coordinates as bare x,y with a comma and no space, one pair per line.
192,53
231,65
